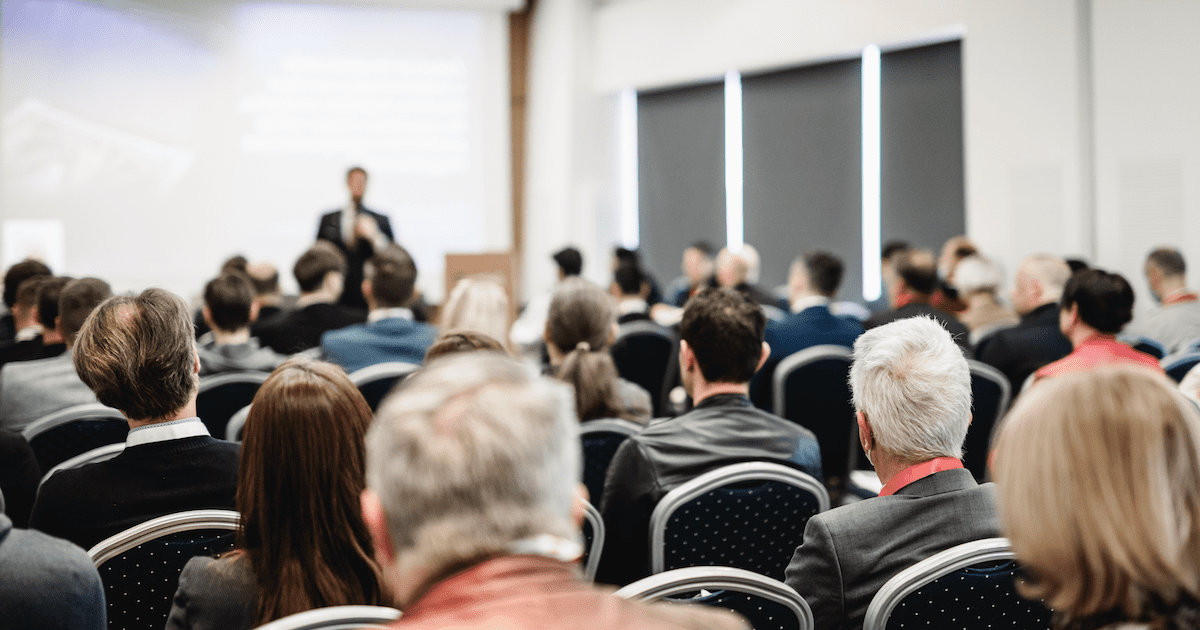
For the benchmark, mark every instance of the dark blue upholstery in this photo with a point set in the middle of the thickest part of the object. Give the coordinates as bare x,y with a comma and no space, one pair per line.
987,398
817,396
643,354
140,583
1178,368
375,391
980,596
762,613
58,444
598,450
753,525
217,405
1147,345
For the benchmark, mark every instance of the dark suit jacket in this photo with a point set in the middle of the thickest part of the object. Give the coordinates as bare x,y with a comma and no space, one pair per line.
814,326
961,335
851,551
19,476
1021,350
289,332
393,339
330,229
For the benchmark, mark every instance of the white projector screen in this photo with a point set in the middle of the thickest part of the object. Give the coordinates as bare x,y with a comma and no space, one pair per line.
144,143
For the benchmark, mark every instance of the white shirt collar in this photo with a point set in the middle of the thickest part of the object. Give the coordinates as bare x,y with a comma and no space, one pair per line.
163,431
389,313
632,305
28,333
809,301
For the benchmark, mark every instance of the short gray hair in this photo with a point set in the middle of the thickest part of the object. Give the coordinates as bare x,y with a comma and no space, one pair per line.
914,385
473,454
1049,271
977,273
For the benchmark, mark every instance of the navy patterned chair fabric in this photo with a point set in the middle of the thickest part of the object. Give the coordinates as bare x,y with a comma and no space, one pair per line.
811,388
337,618
74,431
140,566
965,587
990,396
222,395
748,516
1179,366
376,381
1150,346
766,603
601,438
643,352
593,540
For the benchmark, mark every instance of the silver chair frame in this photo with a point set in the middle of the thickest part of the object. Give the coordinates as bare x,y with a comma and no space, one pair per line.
723,476
610,425
797,360
216,380
378,371
121,542
593,562
642,326
336,618
98,454
690,579
928,570
86,411
236,422
996,376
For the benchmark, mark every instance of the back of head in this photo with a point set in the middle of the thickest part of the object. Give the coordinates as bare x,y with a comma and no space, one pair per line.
393,276
914,385
569,260
137,354
579,326
1098,479
264,277
302,525
471,455
477,304
229,298
1105,300
725,331
824,272
917,268
1169,261
628,280
47,300
461,341
313,265
19,273
235,264
28,291
978,274
77,300
732,268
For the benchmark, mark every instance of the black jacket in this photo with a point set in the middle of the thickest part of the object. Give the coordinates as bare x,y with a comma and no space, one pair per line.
1021,350
961,335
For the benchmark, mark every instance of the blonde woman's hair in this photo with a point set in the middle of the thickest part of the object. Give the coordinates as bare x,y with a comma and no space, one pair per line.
1098,477
480,305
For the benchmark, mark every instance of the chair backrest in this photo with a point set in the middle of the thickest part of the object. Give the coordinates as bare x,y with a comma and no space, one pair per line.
766,603
1180,365
593,540
990,396
375,381
601,438
967,586
811,388
757,510
140,566
336,618
222,395
1150,346
642,353
98,454
59,436
233,430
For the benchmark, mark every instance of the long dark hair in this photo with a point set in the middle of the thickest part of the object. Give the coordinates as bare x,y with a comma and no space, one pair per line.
579,325
302,472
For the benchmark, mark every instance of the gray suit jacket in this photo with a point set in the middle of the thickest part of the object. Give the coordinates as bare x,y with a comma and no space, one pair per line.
214,595
32,389
850,552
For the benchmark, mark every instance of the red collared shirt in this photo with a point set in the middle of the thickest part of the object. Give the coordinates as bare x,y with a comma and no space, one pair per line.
1095,351
1180,297
918,471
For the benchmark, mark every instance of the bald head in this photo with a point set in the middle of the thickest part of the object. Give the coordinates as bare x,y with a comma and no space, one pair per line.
1040,280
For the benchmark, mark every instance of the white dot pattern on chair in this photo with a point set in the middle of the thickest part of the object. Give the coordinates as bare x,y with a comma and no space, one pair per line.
978,597
763,614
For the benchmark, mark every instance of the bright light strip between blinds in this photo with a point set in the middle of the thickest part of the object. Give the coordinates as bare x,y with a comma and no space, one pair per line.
628,151
871,238
734,226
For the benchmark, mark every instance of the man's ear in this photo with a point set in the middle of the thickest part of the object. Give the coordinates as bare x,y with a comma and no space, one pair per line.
255,305
578,513
208,317
58,325
865,436
376,522
766,354
687,358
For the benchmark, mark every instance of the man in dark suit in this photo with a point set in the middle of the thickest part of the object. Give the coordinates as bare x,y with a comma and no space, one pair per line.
34,313
390,333
812,282
13,278
1036,340
912,393
357,232
910,290
320,272
138,354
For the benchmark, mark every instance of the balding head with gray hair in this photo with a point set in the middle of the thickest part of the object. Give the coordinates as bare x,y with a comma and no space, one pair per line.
913,385
1040,280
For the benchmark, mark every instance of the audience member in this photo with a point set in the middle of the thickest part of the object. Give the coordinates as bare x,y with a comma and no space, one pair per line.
302,543
1176,321
1036,340
478,304
721,348
1098,479
390,334
887,273
30,390
358,233
47,583
630,291
947,297
913,282
697,267
24,309
461,341
229,307
37,299
738,270
137,353
13,278
472,499
812,282
579,330
624,257
529,328
320,271
234,264
977,280
264,277
1095,306
19,477
912,395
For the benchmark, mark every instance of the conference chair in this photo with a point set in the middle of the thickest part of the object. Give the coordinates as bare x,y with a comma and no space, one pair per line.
967,586
336,618
1,502
222,395
376,381
749,516
64,434
766,603
98,454
1178,366
1150,346
811,388
642,352
990,396
601,438
140,566
593,540
233,430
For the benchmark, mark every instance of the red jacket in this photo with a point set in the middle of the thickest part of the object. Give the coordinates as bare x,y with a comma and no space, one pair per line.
1095,351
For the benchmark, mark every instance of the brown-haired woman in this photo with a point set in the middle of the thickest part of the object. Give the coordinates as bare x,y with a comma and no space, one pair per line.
302,543
579,329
